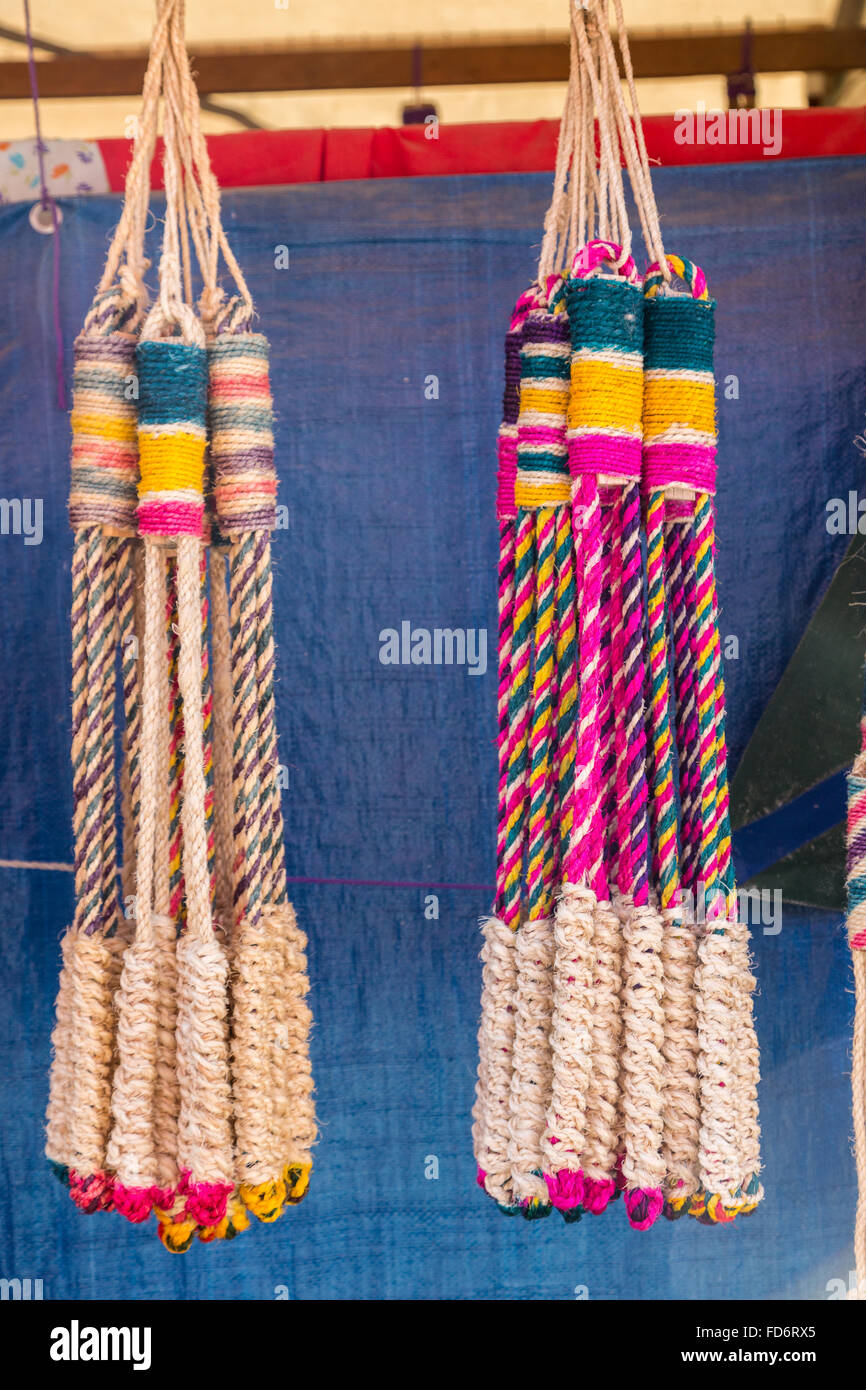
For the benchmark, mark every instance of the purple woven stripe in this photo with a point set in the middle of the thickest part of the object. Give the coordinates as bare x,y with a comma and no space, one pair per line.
548,329
511,394
856,848
97,514
231,467
118,347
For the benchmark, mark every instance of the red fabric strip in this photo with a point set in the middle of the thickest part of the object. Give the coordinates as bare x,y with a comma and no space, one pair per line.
254,158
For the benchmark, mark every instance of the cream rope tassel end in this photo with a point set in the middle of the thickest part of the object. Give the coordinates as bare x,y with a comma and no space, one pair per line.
293,1084
490,1130
532,1072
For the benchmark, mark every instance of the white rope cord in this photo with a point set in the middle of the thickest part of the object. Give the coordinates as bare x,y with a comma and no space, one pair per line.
611,214
126,259
629,129
557,231
170,309
201,189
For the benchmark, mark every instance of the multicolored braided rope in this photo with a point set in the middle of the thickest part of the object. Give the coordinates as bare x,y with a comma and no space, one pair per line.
491,1122
542,493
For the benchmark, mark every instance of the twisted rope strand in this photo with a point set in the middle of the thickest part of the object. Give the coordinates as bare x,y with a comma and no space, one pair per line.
506,623
643,928
542,713
519,715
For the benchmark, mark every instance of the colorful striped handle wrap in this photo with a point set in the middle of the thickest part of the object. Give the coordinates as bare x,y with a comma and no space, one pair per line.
506,443
604,416
241,420
679,404
542,458
171,437
104,463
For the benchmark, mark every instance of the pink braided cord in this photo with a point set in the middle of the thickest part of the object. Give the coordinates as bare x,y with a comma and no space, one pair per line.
586,857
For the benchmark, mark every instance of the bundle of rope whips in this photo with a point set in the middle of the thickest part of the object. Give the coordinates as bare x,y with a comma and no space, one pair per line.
181,1080
617,1050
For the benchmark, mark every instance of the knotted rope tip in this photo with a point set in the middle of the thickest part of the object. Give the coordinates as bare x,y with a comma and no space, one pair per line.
643,1206
566,1189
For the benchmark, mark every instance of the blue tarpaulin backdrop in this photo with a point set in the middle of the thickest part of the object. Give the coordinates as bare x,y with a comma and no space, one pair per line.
390,496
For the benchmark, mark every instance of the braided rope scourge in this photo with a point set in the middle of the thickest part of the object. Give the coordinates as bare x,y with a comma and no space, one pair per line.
272,1083
180,1076
617,1048
605,436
